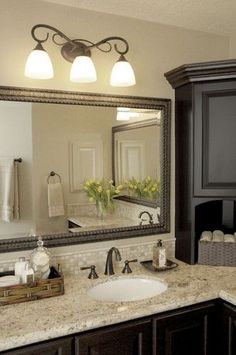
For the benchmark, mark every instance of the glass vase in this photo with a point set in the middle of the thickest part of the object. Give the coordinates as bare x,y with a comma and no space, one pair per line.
101,210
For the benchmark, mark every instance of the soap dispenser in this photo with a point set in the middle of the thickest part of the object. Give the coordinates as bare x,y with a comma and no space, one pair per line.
159,255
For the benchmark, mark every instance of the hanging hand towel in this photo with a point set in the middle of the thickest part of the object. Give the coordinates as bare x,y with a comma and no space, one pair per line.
9,190
55,200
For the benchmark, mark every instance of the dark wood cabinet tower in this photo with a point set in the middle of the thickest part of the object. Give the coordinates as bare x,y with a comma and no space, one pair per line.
205,152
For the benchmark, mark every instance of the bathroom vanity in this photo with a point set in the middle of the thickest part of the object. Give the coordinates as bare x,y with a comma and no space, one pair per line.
183,331
196,314
189,329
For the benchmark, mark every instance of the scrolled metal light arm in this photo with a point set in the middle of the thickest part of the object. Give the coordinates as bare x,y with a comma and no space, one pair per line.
74,47
77,51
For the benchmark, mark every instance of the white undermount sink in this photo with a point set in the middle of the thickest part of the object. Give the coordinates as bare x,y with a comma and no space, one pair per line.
127,289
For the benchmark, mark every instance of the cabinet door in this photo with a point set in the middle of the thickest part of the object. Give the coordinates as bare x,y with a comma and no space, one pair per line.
229,329
62,346
129,339
186,332
214,140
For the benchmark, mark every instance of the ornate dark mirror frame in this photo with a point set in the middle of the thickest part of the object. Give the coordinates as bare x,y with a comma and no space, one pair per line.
91,99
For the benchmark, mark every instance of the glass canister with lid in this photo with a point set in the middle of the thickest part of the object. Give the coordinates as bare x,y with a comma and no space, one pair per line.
40,259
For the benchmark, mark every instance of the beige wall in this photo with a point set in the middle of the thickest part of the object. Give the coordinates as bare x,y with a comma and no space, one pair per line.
154,49
232,47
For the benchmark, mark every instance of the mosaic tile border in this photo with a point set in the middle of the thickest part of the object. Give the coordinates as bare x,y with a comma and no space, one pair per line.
72,261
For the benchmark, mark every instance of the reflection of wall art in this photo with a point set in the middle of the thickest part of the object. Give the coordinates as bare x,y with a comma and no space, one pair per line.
86,161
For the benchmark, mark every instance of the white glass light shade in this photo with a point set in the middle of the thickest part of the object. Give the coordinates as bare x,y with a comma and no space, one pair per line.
122,74
83,70
39,65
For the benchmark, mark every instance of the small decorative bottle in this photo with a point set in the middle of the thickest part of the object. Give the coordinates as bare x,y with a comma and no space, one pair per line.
28,274
159,255
20,267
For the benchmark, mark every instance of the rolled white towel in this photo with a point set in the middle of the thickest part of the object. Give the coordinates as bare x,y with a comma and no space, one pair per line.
9,280
218,236
206,236
229,238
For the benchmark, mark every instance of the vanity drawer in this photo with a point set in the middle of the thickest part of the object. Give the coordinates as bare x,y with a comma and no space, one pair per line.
62,346
130,339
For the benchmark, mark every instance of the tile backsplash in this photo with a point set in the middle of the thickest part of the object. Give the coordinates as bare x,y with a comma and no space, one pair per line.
72,261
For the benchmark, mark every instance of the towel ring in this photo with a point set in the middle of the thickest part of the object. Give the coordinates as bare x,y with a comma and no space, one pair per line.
52,173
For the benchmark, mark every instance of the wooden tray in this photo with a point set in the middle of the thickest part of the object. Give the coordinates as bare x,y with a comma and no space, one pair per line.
53,286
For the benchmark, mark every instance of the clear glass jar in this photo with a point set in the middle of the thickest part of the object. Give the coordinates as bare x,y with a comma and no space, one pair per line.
40,259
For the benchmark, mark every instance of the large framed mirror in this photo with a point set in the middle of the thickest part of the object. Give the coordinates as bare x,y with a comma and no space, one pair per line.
72,134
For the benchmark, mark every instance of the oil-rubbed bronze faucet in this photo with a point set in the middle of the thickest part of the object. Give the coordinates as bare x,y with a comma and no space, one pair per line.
109,264
150,217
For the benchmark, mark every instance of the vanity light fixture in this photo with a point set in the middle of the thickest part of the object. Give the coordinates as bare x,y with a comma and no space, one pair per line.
78,52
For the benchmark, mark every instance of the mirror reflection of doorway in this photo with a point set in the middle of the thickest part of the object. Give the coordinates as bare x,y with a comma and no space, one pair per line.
130,160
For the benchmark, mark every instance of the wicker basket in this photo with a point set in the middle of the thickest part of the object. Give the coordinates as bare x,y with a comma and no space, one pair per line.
32,291
217,253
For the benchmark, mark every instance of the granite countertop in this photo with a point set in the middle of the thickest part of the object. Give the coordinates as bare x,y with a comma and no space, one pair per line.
36,321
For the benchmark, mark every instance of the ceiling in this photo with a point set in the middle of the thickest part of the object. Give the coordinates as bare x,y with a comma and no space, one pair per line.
216,16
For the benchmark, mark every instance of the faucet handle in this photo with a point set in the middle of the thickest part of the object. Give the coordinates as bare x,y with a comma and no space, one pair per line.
92,274
151,218
126,268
